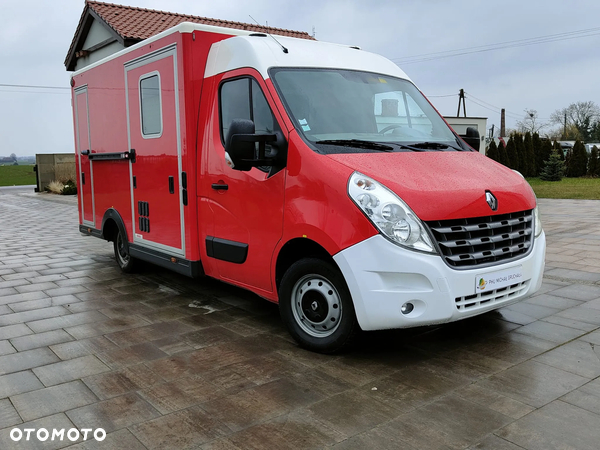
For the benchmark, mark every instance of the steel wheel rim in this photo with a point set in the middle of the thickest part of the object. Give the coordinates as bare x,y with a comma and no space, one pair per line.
121,251
316,305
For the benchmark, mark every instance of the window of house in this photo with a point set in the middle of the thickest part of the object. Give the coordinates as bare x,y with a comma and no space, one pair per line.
151,108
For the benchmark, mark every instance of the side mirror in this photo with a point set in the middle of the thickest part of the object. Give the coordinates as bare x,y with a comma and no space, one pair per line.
241,151
472,138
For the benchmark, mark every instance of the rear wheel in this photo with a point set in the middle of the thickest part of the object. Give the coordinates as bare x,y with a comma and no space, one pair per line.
316,306
125,261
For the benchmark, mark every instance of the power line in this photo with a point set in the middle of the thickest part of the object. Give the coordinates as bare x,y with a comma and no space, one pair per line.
497,46
489,106
33,87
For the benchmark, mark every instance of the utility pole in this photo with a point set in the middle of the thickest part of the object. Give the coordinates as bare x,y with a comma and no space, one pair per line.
503,123
461,96
565,128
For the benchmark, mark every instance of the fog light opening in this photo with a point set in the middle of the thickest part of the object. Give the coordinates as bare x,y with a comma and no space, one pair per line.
407,308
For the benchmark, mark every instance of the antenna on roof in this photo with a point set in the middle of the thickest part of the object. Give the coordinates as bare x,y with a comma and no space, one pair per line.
285,50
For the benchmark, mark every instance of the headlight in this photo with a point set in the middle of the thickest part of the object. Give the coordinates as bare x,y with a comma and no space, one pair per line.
392,217
537,223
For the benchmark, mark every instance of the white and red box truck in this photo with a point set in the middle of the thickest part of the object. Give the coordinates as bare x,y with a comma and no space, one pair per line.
313,174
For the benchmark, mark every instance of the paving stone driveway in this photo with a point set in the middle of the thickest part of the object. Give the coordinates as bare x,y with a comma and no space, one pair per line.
162,361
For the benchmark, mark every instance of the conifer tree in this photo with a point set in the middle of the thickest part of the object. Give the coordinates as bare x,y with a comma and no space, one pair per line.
502,155
561,153
521,163
511,152
577,162
538,155
553,167
492,151
529,166
594,163
545,153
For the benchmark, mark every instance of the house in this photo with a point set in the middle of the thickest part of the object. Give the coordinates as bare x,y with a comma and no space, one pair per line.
106,28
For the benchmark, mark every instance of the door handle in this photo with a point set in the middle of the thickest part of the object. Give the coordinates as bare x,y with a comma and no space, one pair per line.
171,185
219,186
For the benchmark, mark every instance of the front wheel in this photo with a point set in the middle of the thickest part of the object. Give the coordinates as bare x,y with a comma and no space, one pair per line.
125,261
316,306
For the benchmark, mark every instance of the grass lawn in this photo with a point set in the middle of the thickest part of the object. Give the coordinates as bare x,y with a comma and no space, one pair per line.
573,188
17,175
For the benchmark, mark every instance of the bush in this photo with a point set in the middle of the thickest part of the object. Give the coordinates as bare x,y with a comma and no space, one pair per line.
70,188
57,187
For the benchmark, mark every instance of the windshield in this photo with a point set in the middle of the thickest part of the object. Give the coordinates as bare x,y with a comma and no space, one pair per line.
338,110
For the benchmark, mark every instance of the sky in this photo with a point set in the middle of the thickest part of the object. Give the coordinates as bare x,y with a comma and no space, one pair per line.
483,47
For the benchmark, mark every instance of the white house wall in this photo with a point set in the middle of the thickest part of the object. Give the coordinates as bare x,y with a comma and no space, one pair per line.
97,34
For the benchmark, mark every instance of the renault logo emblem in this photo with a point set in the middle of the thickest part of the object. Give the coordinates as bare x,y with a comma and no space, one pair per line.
491,200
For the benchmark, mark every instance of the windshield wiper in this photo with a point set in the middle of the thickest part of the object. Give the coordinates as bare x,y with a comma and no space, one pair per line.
358,143
434,145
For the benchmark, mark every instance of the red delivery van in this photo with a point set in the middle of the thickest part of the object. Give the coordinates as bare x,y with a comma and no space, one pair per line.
313,174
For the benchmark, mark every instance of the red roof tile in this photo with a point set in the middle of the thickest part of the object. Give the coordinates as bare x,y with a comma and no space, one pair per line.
135,24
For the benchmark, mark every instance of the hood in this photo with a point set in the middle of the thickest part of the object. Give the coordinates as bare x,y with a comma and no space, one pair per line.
445,185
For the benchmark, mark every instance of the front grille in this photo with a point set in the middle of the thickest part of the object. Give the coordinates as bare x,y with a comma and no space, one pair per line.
479,241
495,296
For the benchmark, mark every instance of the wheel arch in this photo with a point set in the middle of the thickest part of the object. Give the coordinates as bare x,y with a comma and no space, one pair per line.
295,250
112,224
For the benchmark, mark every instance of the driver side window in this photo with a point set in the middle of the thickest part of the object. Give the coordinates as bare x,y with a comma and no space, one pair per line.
242,98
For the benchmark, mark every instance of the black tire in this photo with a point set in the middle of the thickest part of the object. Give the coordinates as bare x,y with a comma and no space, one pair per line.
125,261
316,306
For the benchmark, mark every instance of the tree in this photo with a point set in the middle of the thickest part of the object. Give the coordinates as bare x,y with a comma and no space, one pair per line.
594,163
580,115
553,167
502,155
492,151
577,163
528,156
511,152
545,152
538,156
595,133
521,162
13,156
530,123
560,150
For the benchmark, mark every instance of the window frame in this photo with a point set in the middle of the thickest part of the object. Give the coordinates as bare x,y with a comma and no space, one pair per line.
154,73
220,100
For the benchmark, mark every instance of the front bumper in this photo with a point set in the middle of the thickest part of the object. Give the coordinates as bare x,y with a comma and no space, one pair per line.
382,277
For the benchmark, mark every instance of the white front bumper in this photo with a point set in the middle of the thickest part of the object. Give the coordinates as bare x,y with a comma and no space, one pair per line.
382,277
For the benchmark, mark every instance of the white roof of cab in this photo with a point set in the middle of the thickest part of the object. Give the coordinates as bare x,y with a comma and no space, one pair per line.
249,49
261,52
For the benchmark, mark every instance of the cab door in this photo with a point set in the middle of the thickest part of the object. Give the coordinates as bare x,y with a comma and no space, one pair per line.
246,207
154,135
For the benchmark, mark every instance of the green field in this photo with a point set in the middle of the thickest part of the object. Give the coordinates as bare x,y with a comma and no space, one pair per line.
17,175
573,188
